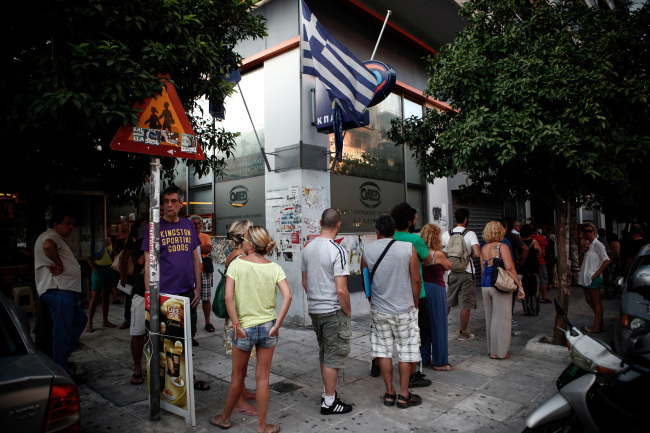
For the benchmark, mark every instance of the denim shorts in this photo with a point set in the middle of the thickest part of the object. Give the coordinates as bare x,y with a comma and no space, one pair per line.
257,335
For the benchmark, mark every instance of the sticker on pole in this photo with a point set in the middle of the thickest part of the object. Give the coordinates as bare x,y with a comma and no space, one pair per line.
163,128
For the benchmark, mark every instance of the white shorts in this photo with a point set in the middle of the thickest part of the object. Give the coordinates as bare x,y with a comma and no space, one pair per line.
137,316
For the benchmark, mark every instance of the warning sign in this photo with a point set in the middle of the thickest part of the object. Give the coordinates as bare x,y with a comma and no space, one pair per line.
163,129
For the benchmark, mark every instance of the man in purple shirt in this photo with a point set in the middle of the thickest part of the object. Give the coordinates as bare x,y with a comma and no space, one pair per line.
180,262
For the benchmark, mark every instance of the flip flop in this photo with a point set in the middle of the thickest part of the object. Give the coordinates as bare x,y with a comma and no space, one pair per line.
250,411
136,379
585,329
545,301
500,359
200,385
90,329
108,325
446,367
251,396
221,424
274,428
117,302
125,325
209,327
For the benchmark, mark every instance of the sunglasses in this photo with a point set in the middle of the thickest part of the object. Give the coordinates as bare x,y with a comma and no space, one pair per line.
247,240
587,231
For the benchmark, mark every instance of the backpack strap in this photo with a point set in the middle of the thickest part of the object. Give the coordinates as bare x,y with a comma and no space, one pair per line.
374,268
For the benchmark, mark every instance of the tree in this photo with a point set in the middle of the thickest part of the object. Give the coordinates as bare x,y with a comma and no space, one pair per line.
72,72
550,100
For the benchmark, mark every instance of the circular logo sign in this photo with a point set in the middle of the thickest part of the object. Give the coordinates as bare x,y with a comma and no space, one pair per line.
238,196
370,195
386,79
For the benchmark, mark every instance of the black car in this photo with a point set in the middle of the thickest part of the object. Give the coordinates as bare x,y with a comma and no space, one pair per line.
36,394
635,300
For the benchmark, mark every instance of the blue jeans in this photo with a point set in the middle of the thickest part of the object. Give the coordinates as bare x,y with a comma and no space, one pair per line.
255,336
69,322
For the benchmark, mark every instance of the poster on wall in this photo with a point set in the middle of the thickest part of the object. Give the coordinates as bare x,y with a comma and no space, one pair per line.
176,381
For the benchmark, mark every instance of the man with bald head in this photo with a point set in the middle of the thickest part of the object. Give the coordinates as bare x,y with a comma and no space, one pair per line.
325,280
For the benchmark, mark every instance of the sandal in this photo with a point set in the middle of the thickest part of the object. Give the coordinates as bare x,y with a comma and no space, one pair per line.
545,301
117,302
136,379
221,424
90,329
274,428
406,402
446,367
251,396
250,411
496,357
209,327
389,399
108,325
125,325
200,385
592,331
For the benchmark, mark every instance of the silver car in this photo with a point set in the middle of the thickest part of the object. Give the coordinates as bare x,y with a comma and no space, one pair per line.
635,300
36,395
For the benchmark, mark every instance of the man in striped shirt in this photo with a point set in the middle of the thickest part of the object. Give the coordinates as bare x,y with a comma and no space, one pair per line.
325,280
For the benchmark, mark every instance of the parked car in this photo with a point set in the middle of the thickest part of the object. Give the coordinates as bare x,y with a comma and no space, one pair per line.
36,394
635,300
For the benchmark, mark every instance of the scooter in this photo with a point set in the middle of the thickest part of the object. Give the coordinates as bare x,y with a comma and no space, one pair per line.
599,391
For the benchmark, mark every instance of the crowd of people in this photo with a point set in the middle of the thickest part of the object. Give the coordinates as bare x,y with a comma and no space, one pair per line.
413,281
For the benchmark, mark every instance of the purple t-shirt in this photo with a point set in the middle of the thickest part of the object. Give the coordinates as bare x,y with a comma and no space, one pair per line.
178,241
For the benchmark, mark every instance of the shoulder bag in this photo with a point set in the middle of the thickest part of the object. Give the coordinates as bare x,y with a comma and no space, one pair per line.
367,279
500,279
116,264
219,303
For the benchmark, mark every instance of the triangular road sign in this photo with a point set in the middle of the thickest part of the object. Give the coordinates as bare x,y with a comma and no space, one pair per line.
163,129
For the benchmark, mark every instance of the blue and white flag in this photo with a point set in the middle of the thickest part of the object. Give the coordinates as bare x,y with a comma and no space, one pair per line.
343,75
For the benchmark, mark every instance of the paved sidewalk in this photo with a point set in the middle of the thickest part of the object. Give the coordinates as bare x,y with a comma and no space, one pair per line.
479,395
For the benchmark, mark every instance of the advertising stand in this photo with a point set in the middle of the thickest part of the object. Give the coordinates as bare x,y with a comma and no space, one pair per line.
176,385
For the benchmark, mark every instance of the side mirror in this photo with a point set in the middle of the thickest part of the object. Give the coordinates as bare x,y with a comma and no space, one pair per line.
620,281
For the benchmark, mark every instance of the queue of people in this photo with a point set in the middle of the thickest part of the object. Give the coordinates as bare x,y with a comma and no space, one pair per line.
413,282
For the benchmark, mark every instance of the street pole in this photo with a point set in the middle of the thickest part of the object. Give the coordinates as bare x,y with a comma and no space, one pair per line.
154,289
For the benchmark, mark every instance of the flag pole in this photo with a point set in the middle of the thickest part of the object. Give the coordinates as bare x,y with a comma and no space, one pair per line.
380,35
266,160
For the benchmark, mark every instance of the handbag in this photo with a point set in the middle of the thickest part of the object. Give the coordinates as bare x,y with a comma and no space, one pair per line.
208,266
219,303
116,264
500,279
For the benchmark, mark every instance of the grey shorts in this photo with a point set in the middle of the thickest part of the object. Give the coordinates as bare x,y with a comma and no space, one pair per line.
461,290
543,275
333,333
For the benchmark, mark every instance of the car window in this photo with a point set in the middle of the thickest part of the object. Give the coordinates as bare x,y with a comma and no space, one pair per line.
9,335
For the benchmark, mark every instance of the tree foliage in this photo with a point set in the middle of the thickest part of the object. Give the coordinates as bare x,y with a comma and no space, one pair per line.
551,99
551,103
74,69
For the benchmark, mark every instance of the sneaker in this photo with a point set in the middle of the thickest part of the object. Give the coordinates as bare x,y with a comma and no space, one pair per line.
337,408
417,380
514,323
515,333
374,368
462,336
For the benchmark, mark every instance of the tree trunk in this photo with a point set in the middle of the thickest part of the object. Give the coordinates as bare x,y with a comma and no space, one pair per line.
561,207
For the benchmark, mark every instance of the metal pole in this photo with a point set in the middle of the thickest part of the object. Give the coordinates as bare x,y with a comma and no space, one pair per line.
380,34
154,289
268,166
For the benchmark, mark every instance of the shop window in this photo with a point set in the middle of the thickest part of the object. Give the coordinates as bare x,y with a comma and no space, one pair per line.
200,200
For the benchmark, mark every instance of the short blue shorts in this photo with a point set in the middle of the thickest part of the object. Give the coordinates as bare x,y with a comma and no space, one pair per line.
257,335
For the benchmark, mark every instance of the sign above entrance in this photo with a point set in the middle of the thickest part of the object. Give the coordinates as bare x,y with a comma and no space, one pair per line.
163,128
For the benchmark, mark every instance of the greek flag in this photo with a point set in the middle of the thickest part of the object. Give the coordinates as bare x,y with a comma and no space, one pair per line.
342,74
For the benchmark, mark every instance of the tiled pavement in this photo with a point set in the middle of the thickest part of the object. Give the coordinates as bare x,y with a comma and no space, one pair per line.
479,395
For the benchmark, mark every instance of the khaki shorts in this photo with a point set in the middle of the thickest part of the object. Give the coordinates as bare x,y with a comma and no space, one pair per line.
333,333
461,290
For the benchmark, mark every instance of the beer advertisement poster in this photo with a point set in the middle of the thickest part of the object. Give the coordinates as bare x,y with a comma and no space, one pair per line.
176,381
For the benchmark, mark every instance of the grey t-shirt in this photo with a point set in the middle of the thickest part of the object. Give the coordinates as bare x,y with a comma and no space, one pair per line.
391,291
323,259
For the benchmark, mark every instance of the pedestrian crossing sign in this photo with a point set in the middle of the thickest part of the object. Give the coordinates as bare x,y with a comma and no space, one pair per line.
163,128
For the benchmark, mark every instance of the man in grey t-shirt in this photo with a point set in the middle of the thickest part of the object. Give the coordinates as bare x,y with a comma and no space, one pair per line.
394,292
325,279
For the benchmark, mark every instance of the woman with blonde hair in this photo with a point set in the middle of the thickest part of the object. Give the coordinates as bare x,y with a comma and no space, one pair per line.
235,239
251,300
434,349
593,261
498,305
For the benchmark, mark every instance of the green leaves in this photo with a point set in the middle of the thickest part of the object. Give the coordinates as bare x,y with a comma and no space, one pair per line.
544,92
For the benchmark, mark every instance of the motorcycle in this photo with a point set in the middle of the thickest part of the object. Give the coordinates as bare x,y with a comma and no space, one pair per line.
599,391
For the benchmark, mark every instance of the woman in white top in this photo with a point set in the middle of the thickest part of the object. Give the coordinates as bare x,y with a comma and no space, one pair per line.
593,262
